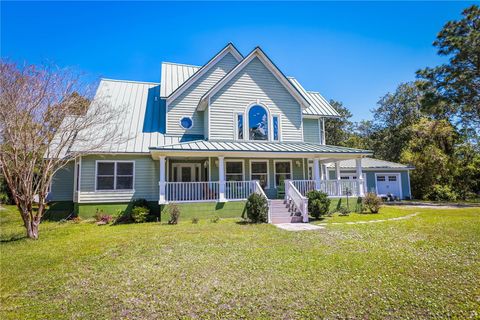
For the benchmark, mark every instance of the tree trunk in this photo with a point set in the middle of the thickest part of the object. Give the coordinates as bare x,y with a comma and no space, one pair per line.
32,229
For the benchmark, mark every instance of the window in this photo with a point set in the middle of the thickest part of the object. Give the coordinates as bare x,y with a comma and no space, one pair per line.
258,123
259,171
186,123
344,178
115,175
240,126
283,171
276,128
234,170
380,178
392,178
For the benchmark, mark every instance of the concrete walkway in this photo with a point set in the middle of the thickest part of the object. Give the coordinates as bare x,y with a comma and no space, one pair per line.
298,226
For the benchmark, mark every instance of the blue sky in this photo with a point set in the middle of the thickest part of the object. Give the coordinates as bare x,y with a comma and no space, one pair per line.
348,51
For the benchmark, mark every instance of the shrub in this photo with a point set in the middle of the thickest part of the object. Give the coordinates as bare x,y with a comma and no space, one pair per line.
371,202
140,214
4,198
174,212
76,219
215,219
257,208
102,218
343,211
318,203
441,193
195,220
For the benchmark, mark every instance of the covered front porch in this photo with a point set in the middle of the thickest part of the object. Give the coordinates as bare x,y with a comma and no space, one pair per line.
231,171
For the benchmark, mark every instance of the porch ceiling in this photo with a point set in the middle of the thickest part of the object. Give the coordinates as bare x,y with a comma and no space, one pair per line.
258,149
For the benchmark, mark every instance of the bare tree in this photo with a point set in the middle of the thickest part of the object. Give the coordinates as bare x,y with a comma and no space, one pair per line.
44,111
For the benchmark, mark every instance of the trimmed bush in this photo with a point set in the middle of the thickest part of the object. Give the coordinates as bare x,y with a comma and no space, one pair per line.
195,220
371,202
343,211
140,214
318,203
215,219
257,208
174,212
441,193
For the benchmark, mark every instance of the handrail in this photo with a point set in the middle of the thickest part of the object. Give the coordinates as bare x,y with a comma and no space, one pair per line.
259,190
301,202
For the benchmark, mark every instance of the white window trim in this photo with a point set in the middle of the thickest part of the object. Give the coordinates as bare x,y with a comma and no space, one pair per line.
235,122
386,174
246,123
268,170
275,170
192,166
236,160
114,175
180,123
279,117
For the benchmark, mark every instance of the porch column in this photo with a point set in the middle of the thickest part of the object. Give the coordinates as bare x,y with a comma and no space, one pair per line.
316,173
221,179
337,174
358,162
161,182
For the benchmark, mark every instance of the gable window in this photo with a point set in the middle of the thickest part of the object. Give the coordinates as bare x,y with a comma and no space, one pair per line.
259,171
186,123
276,128
283,171
240,126
114,175
258,123
234,170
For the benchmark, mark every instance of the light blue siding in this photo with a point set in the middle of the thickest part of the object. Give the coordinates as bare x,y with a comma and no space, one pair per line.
254,83
62,184
145,183
311,130
186,103
405,185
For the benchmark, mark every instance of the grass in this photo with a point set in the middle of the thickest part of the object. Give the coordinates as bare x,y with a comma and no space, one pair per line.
385,213
427,266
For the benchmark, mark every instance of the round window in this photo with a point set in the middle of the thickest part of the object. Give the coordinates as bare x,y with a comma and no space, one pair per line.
186,123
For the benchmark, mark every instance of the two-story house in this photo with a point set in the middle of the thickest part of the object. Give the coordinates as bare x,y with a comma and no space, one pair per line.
214,134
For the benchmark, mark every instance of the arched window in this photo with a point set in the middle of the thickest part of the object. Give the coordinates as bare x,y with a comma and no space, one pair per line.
258,123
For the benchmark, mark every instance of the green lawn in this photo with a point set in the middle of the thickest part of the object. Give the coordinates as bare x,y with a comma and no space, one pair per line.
427,266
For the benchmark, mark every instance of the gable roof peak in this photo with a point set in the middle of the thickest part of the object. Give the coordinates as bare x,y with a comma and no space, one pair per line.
229,48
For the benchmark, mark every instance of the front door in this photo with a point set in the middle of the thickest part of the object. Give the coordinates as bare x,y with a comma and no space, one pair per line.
186,172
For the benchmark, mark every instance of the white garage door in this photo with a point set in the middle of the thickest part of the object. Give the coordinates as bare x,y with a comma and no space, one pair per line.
388,184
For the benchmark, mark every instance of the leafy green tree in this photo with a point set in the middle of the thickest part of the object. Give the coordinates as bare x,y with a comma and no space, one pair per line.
453,89
337,130
394,117
430,151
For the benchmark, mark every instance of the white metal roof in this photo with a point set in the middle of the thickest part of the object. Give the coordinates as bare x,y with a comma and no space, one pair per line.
370,163
319,106
141,116
259,146
174,75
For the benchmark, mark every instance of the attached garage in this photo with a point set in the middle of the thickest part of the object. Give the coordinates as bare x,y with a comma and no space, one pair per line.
381,177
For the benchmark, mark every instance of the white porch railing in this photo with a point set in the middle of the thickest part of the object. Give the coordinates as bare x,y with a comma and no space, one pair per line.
191,191
259,190
300,202
239,190
334,188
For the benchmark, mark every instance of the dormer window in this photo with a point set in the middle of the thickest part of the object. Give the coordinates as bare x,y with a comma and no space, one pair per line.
186,123
258,123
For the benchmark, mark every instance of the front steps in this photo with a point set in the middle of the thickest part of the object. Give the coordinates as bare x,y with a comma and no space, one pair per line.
280,213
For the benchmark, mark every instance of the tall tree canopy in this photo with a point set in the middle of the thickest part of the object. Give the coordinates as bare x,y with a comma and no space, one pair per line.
337,130
452,90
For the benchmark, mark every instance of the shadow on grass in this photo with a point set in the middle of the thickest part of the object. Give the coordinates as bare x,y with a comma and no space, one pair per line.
13,238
